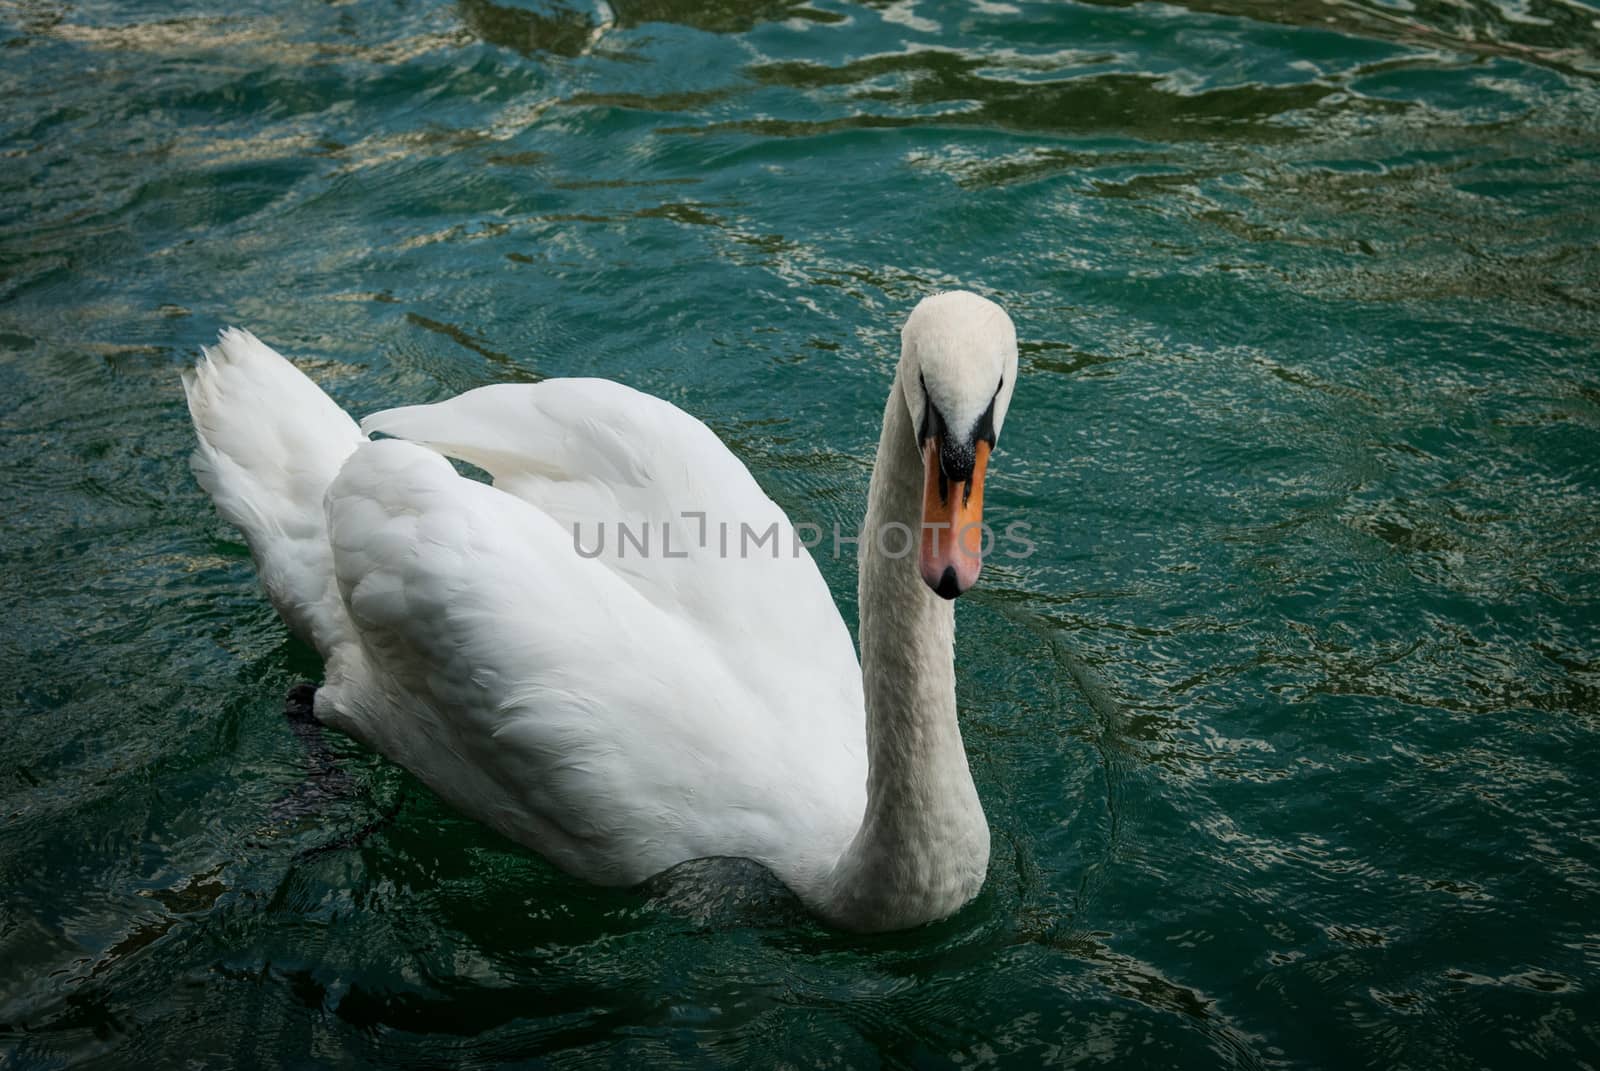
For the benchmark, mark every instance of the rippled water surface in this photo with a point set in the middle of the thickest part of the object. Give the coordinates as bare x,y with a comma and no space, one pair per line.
1287,733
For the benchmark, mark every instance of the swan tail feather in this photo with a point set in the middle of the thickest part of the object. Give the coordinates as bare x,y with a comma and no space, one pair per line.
270,443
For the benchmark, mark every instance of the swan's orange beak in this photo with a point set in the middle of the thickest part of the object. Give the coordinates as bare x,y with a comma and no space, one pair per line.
952,523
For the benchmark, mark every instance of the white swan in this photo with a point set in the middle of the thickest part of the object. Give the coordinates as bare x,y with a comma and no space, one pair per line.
692,695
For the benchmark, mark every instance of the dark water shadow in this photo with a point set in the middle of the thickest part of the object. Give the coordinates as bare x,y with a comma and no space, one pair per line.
560,30
552,28
1132,105
1551,33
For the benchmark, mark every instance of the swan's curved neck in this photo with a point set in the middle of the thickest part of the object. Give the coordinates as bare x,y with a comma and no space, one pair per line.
923,845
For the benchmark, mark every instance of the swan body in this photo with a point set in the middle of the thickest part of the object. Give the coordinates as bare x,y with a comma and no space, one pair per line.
619,653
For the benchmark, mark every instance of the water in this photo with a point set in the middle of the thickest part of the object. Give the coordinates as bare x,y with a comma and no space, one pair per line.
1286,732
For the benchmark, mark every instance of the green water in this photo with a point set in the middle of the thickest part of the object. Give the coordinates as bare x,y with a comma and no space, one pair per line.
1287,732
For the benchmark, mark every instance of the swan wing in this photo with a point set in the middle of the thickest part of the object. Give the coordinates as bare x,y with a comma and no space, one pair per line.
547,695
659,501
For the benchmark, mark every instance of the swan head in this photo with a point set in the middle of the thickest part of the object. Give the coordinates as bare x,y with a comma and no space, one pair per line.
958,366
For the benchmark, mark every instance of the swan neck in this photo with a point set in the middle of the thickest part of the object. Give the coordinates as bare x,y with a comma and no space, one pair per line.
923,846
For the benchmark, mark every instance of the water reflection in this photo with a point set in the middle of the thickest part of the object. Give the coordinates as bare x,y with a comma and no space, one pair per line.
1132,105
572,31
1552,32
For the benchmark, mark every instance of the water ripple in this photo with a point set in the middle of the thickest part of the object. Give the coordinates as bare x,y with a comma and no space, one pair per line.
1282,729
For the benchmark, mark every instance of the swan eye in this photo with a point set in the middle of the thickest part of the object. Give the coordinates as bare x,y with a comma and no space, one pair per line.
984,430
932,425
